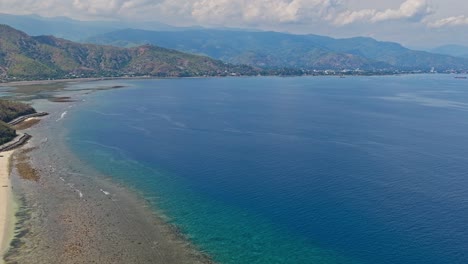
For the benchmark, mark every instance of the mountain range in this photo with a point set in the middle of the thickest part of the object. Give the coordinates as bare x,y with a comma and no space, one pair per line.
273,49
23,57
106,48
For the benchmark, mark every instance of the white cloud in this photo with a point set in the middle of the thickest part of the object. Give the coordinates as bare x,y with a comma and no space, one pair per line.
349,17
202,11
408,10
81,9
260,11
450,21
222,12
411,9
364,17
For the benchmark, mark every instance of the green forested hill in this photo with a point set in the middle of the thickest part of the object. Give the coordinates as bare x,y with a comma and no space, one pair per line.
10,110
23,57
6,133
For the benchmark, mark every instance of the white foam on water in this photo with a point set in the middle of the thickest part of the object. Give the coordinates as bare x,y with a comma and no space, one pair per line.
104,192
62,116
106,114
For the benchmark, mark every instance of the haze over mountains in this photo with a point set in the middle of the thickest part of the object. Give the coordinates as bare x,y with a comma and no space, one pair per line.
274,52
75,30
452,50
273,49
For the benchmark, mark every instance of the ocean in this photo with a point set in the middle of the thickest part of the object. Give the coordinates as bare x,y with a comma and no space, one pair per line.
291,170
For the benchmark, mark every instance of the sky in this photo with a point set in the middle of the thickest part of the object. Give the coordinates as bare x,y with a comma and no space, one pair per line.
415,23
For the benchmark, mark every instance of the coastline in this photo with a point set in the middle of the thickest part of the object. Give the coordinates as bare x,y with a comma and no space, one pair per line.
70,179
40,82
78,80
69,213
6,203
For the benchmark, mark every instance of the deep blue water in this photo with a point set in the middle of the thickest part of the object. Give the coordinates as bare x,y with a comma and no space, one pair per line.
293,170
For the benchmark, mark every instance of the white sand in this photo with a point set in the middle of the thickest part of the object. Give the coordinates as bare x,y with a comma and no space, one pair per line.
6,203
29,119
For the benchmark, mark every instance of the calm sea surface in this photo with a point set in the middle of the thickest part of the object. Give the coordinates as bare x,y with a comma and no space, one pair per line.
293,170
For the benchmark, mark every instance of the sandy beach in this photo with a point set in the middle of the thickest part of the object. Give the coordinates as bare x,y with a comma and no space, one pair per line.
74,80
40,82
6,212
69,213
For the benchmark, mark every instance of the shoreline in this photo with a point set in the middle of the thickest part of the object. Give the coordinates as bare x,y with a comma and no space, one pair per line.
71,213
6,203
78,80
39,82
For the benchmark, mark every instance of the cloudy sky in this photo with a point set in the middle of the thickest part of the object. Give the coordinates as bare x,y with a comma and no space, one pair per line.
415,23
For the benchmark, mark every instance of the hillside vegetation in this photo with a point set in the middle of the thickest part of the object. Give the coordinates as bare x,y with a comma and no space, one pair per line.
6,133
273,49
10,110
23,57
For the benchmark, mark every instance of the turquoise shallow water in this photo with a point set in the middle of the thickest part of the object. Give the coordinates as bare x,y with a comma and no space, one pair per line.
292,170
